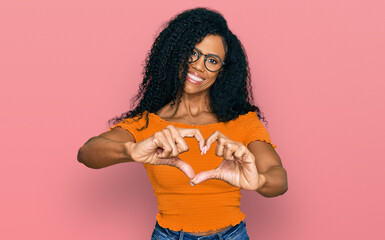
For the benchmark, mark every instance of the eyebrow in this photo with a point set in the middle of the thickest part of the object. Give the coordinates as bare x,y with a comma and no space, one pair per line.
208,53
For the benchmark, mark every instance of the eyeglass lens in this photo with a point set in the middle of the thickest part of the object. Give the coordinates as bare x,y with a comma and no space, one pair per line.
212,63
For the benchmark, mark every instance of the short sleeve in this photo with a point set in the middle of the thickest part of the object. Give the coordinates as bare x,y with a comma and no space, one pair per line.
255,130
133,125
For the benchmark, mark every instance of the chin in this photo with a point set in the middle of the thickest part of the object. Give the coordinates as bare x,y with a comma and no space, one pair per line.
193,90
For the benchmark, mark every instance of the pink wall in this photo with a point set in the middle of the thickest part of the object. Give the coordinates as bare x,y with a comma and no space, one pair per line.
66,67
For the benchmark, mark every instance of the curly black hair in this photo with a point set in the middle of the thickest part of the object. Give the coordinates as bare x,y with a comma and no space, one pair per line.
231,93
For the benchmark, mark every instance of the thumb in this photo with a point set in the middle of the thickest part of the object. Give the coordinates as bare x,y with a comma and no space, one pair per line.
206,175
180,164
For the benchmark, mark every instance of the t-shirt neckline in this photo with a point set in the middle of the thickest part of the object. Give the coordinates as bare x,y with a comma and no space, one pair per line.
193,125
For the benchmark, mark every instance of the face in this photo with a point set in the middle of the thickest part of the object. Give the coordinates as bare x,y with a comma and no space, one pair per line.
199,79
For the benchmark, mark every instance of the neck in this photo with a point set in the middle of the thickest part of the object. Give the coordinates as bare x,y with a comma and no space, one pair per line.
193,104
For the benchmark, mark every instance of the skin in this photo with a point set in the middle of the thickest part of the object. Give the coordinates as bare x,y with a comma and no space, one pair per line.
254,167
194,107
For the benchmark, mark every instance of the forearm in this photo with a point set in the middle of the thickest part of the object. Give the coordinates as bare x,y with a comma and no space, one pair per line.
100,152
275,184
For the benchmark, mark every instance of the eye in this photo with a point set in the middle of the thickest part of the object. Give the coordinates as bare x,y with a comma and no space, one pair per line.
193,56
212,60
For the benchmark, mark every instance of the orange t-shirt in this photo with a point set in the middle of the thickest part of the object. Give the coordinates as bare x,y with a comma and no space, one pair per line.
207,206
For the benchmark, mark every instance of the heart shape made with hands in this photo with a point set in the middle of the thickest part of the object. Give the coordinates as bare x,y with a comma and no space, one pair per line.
238,167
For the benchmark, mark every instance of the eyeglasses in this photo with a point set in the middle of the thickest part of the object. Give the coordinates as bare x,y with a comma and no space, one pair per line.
213,63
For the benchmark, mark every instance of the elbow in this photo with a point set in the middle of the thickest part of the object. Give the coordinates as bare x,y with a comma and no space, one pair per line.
285,188
275,192
81,156
84,159
283,184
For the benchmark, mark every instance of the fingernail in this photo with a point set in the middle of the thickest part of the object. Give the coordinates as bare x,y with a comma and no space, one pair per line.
205,148
201,146
192,184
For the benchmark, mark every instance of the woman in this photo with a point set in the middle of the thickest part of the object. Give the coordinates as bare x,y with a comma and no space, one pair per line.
196,131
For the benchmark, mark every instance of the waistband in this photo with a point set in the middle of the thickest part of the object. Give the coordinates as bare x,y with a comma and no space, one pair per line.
179,235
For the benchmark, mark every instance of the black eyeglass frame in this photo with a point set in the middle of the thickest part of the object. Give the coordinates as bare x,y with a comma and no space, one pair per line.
206,56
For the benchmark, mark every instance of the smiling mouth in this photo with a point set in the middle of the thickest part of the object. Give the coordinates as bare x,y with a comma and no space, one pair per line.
194,79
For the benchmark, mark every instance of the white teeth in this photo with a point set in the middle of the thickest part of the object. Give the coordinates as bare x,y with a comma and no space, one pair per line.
195,78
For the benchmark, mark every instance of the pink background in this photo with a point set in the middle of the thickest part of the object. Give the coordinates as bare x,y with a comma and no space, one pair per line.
66,67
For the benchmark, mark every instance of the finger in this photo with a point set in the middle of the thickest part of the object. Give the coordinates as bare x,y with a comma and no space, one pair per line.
214,137
160,141
206,175
193,132
228,151
180,142
240,153
181,165
171,140
219,150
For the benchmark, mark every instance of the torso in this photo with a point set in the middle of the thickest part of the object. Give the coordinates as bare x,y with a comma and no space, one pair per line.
203,118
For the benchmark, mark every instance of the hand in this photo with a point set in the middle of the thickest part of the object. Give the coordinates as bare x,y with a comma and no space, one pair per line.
164,146
238,166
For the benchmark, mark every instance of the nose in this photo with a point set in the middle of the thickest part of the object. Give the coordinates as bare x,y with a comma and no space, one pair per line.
199,65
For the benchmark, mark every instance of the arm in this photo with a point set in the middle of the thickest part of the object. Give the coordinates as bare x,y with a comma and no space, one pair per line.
107,149
270,167
119,146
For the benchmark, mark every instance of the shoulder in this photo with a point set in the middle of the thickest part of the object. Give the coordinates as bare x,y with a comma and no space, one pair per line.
134,124
137,121
250,128
248,118
118,134
246,122
140,127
